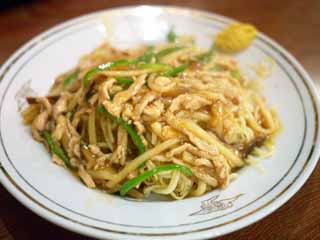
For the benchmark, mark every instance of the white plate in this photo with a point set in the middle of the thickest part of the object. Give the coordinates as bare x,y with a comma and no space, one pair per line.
51,192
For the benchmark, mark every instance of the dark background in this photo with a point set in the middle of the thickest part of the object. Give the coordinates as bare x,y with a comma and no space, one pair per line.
295,24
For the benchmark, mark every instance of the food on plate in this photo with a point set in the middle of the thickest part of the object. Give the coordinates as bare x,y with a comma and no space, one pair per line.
171,118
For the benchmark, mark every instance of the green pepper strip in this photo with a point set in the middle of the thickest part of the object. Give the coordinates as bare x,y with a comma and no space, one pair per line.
140,178
124,80
167,51
146,58
175,71
157,67
235,74
128,127
70,78
123,62
205,57
105,66
172,36
56,149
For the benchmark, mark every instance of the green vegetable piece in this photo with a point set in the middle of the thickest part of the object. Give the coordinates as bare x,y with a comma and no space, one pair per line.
123,62
235,74
175,71
147,56
105,66
133,134
168,51
157,67
128,127
101,110
124,80
56,149
172,36
70,78
140,178
206,57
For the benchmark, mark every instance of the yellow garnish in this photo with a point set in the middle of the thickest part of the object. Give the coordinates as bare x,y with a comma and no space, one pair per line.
264,68
235,37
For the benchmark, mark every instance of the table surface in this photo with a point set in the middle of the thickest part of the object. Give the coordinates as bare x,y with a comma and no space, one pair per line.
295,24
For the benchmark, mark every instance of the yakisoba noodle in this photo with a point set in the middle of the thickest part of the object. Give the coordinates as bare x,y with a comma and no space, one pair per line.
171,119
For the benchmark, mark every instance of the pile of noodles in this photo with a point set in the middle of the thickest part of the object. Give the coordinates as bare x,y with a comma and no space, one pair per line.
204,118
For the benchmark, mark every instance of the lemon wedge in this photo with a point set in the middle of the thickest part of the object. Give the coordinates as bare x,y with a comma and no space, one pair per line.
235,37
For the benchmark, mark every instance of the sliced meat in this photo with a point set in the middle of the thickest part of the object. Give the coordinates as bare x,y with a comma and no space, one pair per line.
161,84
104,91
153,111
116,105
60,128
189,102
143,103
40,122
61,105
